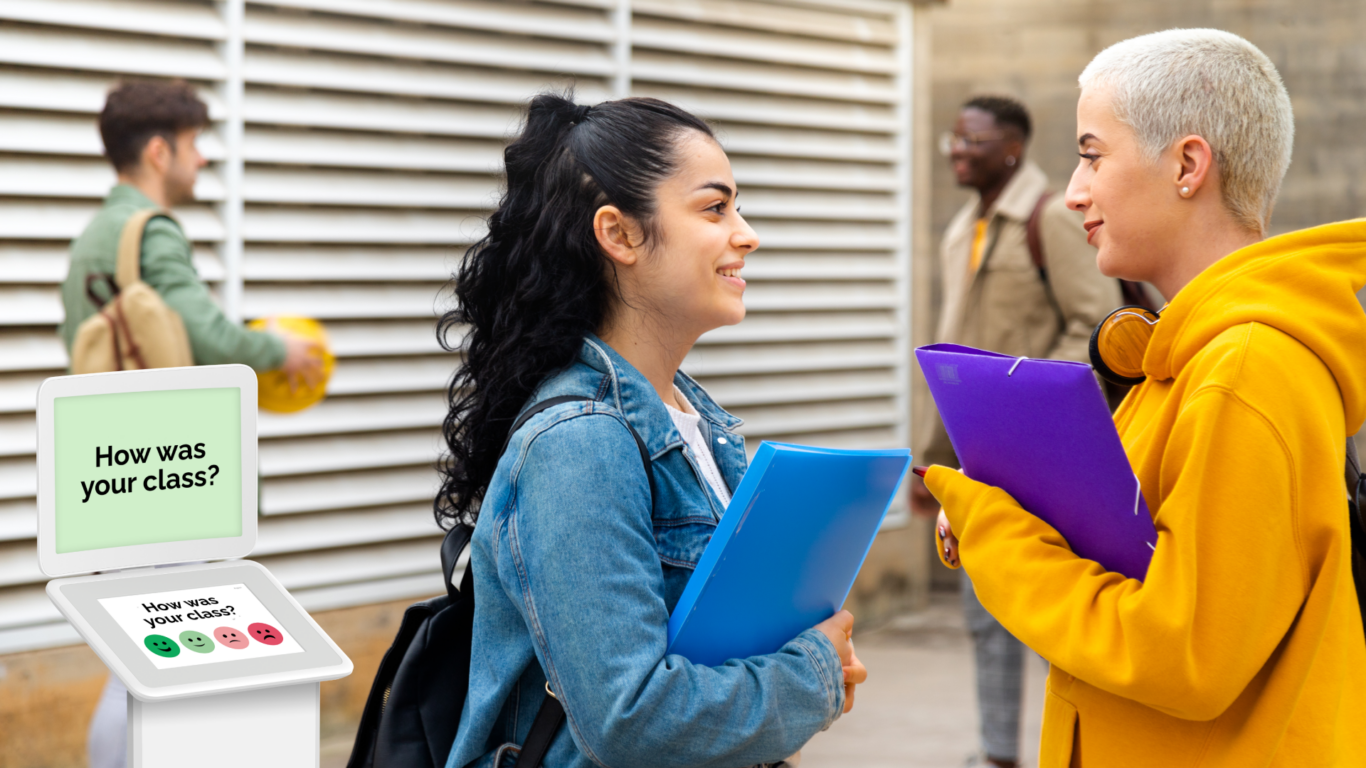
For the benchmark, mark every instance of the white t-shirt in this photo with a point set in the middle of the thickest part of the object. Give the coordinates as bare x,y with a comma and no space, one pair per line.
686,421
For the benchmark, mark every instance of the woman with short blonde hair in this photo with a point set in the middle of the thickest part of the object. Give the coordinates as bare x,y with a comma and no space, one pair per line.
1243,645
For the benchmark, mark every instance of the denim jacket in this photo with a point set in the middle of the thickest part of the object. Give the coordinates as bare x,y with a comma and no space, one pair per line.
576,569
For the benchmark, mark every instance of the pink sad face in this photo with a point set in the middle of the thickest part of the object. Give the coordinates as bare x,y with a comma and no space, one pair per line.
265,633
230,638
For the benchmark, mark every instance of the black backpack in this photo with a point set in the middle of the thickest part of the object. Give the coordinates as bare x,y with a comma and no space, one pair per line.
413,711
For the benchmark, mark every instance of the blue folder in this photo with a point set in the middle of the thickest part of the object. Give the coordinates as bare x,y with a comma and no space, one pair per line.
786,552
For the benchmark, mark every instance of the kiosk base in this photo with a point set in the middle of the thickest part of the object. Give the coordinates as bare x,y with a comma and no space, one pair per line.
262,728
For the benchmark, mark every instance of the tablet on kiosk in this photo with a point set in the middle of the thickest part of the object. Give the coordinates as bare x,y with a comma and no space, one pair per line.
158,468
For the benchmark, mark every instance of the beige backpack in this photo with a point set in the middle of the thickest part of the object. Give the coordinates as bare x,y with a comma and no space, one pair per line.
134,329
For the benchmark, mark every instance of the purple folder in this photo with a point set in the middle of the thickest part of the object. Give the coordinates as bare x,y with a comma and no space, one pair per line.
1040,430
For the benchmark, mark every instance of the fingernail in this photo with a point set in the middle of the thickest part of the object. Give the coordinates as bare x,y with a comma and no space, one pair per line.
919,471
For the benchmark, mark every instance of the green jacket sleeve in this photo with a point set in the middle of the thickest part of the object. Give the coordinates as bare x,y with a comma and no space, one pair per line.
214,339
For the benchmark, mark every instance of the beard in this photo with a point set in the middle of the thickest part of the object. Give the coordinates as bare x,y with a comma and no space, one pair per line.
180,188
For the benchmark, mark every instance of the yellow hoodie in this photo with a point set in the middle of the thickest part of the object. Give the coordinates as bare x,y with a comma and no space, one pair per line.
1243,646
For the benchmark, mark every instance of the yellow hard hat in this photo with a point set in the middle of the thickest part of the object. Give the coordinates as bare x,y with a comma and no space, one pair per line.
273,393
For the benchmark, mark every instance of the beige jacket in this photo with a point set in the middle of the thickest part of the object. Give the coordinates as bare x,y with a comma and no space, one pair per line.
1006,306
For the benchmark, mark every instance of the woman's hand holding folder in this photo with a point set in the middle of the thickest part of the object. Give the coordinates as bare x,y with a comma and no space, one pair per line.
948,543
943,530
840,629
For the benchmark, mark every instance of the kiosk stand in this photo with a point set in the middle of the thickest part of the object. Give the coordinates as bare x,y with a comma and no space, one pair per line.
283,723
154,468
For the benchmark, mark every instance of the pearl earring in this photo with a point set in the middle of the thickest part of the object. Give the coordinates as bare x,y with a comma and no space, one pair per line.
1185,191
1010,159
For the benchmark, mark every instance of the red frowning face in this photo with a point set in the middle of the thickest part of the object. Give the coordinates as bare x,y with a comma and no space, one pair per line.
265,633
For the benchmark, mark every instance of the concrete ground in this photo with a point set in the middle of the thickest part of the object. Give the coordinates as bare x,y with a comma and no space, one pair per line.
918,708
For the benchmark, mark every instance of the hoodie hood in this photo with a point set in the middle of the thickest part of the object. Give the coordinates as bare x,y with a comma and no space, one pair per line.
1304,284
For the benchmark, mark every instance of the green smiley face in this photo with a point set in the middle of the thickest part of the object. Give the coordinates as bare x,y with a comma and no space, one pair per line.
161,645
195,641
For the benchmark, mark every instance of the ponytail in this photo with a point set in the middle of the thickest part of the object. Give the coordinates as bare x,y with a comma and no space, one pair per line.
538,283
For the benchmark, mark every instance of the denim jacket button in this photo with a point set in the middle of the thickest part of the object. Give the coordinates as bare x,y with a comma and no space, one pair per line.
721,440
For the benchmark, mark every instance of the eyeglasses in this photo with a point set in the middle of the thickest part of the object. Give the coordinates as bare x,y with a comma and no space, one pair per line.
949,141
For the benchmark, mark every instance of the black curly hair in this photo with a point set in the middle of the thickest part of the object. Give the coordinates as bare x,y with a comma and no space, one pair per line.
538,282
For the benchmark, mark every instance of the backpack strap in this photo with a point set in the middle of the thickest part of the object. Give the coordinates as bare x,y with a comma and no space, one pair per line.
1356,495
1034,239
110,287
118,323
543,730
129,267
1135,295
551,714
457,538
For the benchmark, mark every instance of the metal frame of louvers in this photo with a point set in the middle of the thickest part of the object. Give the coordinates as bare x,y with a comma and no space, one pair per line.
354,149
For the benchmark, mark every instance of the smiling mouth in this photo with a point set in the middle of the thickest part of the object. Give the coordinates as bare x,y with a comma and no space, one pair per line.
732,275
1091,227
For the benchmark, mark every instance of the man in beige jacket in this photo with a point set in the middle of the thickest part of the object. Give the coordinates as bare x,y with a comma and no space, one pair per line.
995,297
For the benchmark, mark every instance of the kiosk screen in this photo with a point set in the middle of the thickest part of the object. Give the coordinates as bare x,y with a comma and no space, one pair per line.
147,467
189,627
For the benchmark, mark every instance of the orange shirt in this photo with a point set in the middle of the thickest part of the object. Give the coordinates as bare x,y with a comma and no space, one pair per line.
979,241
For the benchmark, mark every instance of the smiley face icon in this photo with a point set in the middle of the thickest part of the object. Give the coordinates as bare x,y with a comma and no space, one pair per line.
265,633
161,645
231,638
196,641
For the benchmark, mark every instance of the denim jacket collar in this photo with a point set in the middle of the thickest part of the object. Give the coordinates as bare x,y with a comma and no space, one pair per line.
633,395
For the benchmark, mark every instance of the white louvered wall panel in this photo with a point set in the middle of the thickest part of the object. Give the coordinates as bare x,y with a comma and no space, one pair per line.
355,150
808,101
57,59
372,145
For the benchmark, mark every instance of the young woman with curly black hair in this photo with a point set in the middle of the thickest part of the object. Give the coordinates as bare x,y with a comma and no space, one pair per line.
617,244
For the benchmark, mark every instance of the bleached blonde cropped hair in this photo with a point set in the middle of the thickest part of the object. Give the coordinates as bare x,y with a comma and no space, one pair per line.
1213,84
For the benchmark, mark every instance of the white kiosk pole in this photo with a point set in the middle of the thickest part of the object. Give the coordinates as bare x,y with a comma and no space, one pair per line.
262,728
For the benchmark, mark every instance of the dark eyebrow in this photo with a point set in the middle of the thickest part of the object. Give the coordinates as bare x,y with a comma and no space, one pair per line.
1085,137
719,187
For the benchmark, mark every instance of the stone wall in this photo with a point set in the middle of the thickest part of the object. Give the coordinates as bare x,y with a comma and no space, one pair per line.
1034,50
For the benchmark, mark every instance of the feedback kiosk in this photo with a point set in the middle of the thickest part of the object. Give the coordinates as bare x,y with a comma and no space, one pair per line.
150,468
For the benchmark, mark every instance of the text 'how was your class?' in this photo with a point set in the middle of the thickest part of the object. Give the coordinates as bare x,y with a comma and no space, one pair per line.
197,610
178,477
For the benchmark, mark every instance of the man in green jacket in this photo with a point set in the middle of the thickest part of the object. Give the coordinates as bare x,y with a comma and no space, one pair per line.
149,131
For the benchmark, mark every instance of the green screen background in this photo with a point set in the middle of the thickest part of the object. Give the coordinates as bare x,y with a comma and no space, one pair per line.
146,420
